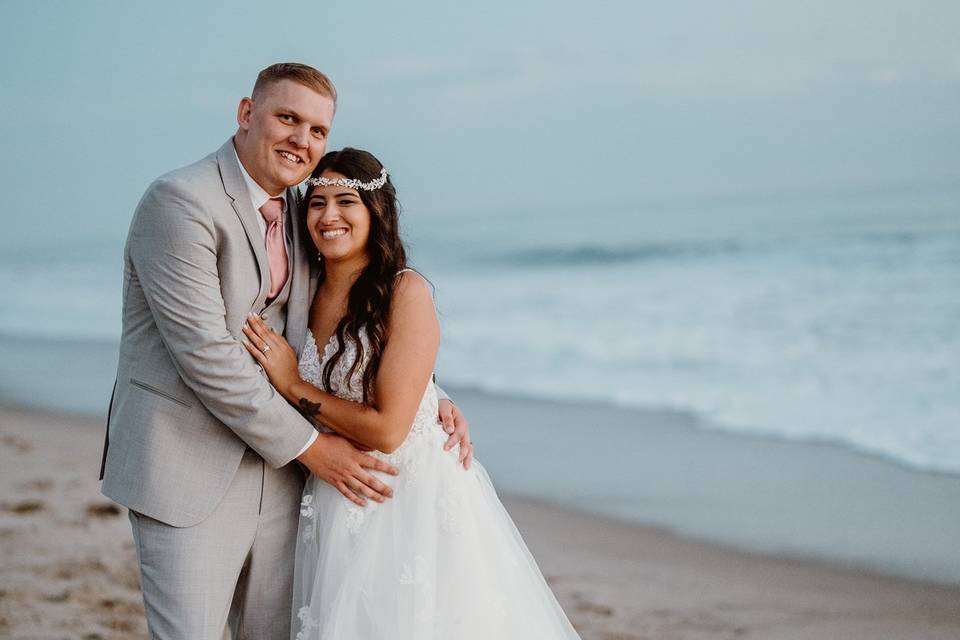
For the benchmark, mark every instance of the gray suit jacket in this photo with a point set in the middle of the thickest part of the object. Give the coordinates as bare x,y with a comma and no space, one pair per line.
189,399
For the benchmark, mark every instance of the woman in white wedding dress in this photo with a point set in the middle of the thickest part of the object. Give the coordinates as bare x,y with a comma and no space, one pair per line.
441,557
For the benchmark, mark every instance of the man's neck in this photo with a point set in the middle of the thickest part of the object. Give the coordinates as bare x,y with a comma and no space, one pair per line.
246,170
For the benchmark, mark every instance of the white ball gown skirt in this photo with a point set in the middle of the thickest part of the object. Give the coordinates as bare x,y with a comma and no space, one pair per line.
440,559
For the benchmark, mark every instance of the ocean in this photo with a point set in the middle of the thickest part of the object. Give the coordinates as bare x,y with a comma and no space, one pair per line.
830,316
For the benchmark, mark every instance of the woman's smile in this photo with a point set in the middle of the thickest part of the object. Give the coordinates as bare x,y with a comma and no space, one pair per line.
331,234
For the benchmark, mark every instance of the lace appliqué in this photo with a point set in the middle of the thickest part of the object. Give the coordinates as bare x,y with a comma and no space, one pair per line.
307,623
355,517
418,579
307,511
449,508
312,362
411,470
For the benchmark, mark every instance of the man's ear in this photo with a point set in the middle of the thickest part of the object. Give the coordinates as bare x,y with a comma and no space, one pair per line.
243,113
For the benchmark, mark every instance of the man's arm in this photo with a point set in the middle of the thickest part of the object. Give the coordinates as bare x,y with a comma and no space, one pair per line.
173,250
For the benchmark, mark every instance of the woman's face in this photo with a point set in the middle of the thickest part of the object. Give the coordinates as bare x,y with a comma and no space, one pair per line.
338,221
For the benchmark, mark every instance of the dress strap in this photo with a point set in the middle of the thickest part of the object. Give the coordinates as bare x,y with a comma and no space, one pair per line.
433,291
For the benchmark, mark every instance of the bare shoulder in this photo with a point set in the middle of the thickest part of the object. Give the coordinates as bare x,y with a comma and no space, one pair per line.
411,287
413,297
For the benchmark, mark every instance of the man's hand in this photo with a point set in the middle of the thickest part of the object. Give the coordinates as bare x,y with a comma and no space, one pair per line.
337,462
455,423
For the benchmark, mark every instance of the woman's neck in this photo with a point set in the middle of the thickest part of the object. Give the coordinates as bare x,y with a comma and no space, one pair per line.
338,277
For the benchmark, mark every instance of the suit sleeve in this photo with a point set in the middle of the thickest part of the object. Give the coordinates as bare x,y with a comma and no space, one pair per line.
173,250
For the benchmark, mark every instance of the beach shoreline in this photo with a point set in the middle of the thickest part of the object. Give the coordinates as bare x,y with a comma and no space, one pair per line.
790,498
68,564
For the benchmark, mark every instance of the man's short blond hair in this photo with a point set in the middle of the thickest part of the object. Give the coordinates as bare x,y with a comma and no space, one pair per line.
304,74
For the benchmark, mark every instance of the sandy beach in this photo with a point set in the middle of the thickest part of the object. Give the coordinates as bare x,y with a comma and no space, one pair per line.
68,571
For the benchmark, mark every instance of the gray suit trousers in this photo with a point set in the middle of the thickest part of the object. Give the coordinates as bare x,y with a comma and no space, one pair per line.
232,570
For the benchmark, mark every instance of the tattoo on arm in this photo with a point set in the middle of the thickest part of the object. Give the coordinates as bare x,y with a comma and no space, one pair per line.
310,411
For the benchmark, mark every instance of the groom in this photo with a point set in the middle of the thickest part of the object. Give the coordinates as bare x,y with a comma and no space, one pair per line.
199,444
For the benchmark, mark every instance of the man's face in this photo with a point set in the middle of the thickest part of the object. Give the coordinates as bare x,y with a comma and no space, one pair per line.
283,134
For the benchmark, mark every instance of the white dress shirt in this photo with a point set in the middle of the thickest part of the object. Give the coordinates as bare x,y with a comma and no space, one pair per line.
259,197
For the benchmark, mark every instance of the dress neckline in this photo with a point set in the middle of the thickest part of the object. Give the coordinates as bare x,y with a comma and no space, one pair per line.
321,355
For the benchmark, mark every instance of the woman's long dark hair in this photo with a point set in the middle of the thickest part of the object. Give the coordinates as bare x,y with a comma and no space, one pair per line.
368,304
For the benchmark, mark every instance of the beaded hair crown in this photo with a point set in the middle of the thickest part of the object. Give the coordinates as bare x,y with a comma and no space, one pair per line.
350,183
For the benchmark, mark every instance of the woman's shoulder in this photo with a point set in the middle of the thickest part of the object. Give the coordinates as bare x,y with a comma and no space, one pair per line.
411,288
410,282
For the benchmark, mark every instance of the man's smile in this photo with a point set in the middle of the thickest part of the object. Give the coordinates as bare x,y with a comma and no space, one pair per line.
291,157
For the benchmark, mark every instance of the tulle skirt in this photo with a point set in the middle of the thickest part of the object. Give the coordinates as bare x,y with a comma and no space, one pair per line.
441,559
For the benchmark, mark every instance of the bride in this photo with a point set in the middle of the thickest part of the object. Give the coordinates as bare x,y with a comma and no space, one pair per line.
441,558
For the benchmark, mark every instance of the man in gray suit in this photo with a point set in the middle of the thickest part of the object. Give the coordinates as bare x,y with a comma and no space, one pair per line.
199,444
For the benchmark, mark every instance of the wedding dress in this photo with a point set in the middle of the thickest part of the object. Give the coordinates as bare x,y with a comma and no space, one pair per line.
440,559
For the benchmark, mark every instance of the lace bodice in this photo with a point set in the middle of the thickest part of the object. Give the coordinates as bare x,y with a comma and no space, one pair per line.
311,365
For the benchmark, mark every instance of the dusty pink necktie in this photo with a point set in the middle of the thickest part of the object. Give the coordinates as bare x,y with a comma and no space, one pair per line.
272,212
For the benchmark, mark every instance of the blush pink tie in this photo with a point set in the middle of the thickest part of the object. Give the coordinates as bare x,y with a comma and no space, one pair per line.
272,212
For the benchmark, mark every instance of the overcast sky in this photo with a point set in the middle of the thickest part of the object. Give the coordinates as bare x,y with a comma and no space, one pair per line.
485,105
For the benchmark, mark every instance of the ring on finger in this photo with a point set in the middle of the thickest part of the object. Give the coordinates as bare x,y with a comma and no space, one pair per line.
265,348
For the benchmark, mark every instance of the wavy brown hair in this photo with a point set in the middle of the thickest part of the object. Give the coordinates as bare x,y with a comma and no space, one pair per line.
368,303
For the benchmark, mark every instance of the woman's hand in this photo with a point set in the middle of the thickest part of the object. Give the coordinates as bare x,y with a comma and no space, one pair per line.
273,352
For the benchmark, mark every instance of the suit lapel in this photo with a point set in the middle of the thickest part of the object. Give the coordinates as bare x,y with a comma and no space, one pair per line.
298,302
236,188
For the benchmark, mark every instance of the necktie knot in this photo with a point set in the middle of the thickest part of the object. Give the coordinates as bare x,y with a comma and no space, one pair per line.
272,210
